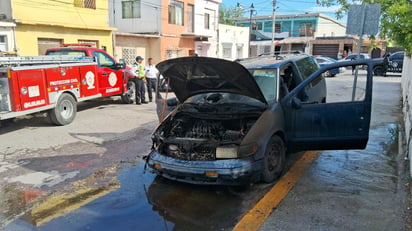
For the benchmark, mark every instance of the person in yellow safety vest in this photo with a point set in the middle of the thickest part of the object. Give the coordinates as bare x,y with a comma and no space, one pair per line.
139,73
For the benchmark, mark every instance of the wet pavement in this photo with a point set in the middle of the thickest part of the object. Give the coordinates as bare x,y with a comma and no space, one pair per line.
354,189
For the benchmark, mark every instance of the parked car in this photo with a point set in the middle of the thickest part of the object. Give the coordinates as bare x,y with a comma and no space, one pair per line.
322,61
233,121
355,56
392,63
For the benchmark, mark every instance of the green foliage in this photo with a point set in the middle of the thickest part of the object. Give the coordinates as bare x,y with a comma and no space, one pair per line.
227,15
396,20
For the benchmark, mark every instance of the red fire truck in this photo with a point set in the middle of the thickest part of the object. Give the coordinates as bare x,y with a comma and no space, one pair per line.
55,83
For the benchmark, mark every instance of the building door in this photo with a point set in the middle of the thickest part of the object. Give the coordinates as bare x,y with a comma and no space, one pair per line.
328,50
46,43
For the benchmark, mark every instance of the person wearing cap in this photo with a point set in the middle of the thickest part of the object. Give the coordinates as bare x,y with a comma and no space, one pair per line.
151,78
139,73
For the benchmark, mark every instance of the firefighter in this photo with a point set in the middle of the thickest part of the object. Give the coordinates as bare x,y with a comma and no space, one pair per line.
138,71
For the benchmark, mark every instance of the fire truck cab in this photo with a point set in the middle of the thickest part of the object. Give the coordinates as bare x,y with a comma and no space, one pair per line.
113,77
59,80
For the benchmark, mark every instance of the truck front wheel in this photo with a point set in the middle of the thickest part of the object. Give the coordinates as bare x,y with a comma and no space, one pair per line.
129,96
65,110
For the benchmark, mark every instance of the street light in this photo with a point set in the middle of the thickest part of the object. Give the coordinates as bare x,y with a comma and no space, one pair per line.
252,12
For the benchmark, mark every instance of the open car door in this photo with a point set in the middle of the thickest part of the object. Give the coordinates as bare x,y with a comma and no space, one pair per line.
336,125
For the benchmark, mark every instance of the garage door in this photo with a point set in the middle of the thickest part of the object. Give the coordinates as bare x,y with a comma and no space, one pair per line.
328,50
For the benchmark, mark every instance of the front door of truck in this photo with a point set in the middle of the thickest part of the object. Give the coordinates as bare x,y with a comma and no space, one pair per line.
321,126
109,76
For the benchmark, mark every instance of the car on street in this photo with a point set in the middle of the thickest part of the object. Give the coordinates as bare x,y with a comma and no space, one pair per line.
233,122
392,63
322,61
355,56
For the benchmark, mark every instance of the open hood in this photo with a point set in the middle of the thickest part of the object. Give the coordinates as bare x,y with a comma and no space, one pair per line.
193,75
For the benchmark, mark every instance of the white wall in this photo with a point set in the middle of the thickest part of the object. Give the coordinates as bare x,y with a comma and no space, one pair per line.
329,27
149,22
407,105
235,38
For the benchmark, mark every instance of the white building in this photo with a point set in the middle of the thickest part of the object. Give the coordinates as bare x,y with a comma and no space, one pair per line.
233,42
206,27
7,29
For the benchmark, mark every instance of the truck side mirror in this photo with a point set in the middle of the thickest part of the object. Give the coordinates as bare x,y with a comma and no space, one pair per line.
122,64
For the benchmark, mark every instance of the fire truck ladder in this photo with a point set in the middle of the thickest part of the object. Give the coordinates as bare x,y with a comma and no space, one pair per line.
43,60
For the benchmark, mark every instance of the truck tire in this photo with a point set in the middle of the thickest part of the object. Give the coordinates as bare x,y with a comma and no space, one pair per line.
378,71
129,96
65,110
274,160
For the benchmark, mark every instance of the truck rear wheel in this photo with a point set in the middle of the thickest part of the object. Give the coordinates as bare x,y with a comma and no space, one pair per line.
129,96
65,110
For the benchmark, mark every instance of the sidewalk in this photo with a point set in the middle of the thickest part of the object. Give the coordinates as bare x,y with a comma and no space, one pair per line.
354,189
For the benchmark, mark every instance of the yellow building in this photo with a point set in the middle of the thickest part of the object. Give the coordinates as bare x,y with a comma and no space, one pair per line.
41,24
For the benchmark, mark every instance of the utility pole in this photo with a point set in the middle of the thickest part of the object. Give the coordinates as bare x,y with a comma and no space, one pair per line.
252,10
272,45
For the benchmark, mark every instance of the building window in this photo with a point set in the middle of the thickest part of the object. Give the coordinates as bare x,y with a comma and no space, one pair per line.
176,12
91,4
3,43
129,55
257,26
306,29
170,54
131,9
227,50
277,28
190,18
207,21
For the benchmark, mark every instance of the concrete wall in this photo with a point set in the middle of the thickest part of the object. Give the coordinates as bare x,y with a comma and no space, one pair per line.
149,21
5,8
329,28
407,103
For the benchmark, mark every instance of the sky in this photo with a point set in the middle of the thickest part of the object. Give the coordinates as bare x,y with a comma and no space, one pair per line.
265,7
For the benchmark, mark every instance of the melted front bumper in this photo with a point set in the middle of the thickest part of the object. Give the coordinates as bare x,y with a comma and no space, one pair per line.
227,171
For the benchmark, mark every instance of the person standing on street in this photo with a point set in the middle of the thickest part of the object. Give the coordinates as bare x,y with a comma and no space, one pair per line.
151,78
138,71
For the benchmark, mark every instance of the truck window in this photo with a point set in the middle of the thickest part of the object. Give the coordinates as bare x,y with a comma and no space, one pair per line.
103,59
66,52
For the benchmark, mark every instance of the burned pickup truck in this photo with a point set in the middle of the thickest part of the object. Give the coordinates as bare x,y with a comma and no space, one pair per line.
233,121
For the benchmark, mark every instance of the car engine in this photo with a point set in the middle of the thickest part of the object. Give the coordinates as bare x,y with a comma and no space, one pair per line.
191,138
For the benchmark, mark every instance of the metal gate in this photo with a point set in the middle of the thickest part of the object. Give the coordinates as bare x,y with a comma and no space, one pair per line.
328,50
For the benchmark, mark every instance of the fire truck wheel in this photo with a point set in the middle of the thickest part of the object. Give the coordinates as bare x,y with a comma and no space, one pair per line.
65,110
130,95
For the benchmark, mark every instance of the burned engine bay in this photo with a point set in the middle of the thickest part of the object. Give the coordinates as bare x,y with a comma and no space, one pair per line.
190,137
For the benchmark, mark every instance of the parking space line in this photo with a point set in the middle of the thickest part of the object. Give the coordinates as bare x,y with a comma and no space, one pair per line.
255,217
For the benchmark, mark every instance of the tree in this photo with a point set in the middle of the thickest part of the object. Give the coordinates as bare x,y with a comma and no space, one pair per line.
396,20
227,15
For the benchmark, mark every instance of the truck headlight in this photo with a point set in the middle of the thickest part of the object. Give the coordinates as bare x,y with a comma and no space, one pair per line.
226,152
234,151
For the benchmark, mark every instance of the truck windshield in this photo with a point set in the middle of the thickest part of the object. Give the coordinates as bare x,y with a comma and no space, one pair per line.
267,81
